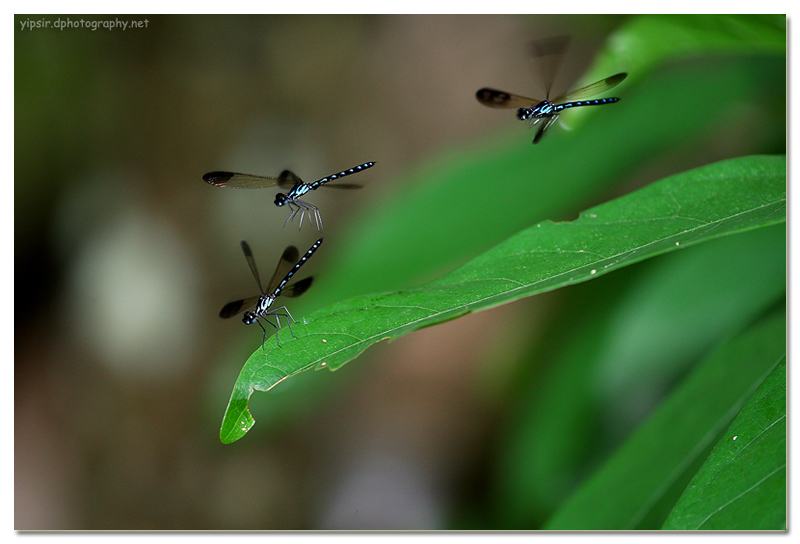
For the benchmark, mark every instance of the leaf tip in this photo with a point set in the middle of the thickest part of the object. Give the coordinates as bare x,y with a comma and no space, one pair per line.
236,422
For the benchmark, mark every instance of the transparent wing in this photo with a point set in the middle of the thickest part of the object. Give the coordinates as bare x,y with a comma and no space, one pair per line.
237,306
251,261
239,181
595,88
288,260
298,288
344,186
288,179
549,52
501,99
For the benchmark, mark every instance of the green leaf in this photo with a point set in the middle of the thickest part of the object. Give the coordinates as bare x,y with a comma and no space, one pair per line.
683,35
612,354
702,204
742,485
622,492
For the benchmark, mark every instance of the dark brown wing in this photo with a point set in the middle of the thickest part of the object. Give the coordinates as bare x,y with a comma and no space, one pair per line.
297,288
501,99
237,306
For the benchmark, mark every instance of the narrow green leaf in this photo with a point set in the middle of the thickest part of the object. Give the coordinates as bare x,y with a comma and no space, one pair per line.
720,199
611,355
621,493
742,485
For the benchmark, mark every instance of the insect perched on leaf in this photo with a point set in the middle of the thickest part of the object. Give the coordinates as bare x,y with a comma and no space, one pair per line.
549,52
294,186
276,287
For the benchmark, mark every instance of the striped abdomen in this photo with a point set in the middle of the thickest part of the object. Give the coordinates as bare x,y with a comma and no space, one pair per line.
342,174
595,102
294,269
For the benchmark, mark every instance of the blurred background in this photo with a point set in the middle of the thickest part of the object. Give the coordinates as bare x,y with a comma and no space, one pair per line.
124,257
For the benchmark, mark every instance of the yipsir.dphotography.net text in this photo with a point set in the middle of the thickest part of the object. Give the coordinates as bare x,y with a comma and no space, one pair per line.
69,23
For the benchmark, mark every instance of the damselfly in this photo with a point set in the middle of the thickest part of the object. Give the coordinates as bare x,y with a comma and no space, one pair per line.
549,51
294,185
276,287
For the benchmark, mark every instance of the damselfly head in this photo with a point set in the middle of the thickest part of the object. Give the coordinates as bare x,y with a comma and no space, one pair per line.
249,318
281,199
524,114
